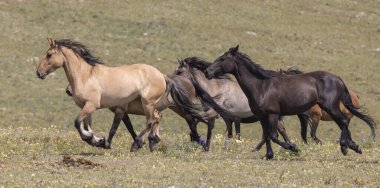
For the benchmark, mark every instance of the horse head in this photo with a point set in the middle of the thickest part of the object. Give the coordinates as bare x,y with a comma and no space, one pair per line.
223,64
52,60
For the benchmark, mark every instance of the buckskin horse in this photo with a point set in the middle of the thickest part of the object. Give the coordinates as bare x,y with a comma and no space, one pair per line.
123,88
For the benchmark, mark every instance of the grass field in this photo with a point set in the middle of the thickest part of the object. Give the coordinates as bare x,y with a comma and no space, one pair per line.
39,145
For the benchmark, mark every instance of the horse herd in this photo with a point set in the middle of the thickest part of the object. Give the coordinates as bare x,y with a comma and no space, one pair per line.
255,95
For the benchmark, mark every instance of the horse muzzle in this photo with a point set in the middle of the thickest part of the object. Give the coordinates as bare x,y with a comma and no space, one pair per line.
41,75
208,74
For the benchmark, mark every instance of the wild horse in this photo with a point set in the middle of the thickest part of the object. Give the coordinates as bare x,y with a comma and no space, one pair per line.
228,95
316,114
271,96
137,87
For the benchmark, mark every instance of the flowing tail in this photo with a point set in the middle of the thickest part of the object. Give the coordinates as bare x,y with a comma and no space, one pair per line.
181,99
346,99
207,99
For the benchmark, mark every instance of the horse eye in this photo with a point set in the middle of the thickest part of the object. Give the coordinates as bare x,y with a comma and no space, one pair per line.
48,55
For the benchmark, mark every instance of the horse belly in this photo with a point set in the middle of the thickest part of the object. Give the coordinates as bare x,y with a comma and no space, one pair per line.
117,100
302,104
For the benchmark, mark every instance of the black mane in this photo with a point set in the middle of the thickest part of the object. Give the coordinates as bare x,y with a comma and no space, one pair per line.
254,68
201,65
291,71
80,50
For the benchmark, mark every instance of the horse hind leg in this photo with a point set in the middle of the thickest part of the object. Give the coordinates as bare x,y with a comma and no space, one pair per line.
314,125
154,137
304,121
149,111
351,144
342,121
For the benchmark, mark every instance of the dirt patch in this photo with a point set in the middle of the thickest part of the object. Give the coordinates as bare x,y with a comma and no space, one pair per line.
81,162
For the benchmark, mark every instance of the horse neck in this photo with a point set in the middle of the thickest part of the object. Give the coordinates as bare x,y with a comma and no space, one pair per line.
76,69
249,83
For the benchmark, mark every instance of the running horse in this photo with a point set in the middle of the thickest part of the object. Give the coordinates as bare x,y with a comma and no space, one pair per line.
95,86
227,94
316,114
270,97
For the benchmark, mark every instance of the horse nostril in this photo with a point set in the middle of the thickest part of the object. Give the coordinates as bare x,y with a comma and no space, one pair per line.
38,74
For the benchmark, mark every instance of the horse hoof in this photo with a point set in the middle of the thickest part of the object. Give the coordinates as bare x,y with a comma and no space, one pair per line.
206,148
293,148
316,140
238,137
358,150
101,143
193,138
202,141
153,140
344,150
137,144
269,156
107,145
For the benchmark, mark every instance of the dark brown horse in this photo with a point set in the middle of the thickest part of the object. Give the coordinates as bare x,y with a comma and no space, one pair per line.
316,114
271,96
228,95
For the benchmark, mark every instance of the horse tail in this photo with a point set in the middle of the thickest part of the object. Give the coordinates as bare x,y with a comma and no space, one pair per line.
207,99
181,99
347,101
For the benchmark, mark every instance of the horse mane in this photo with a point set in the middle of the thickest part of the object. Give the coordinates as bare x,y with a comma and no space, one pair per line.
80,50
254,68
200,64
291,71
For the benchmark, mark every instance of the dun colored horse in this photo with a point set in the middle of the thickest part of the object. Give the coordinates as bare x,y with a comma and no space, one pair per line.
138,88
316,113
271,96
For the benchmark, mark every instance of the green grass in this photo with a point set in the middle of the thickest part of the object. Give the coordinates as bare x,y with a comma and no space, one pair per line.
36,117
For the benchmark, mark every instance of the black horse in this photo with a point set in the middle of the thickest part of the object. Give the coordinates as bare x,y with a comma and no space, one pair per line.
270,96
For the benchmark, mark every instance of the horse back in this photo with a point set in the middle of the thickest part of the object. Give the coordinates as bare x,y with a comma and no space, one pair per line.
124,84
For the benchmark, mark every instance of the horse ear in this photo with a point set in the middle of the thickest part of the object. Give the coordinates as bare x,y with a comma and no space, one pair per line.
51,42
234,51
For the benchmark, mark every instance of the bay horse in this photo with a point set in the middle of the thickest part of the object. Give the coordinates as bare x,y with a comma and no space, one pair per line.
316,114
228,95
123,88
273,96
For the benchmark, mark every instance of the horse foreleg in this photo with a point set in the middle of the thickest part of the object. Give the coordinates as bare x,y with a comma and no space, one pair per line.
261,143
273,122
128,124
210,126
237,128
98,142
266,134
281,129
115,124
194,136
228,126
85,135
